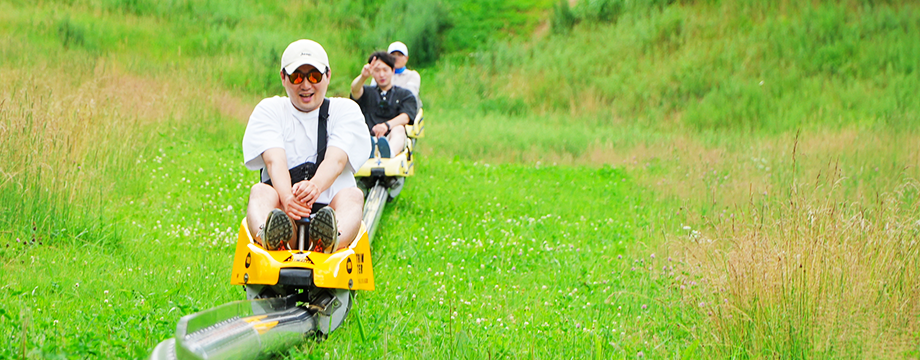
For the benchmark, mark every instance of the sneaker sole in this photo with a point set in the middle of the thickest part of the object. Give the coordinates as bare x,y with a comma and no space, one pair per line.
323,230
278,228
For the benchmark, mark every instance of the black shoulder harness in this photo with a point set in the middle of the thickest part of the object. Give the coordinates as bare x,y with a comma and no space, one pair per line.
306,170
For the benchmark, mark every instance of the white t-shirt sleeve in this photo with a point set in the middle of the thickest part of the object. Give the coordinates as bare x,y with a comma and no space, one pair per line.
414,82
263,132
347,131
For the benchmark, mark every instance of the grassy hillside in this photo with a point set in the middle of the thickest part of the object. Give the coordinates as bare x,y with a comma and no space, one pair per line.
600,179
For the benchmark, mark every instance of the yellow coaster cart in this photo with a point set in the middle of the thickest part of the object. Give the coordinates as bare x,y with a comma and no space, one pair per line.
383,178
293,293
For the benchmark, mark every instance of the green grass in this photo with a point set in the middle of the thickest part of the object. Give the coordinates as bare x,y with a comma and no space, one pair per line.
648,182
472,274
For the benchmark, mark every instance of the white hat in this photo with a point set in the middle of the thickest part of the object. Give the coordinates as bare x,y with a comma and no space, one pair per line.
398,46
303,52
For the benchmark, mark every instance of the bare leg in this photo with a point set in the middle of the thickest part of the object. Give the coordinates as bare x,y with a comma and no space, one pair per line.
262,199
397,139
349,209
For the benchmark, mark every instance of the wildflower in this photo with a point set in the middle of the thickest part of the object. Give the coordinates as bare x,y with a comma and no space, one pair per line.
619,256
644,306
652,256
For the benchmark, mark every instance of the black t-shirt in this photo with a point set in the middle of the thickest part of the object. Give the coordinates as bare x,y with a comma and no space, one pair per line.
378,107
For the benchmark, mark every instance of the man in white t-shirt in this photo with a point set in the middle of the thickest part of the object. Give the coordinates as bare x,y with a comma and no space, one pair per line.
302,170
402,76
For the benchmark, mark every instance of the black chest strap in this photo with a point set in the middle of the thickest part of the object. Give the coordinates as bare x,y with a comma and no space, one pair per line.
321,132
306,170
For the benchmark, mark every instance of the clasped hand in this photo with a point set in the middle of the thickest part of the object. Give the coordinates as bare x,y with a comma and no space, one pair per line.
300,202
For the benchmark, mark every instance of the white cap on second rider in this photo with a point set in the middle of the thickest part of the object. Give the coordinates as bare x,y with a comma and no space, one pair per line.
398,46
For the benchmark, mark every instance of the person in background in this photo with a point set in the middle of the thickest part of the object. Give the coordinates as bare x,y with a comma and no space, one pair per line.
403,76
387,108
308,148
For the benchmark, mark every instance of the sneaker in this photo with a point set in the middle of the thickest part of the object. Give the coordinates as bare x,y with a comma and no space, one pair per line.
373,146
276,231
324,233
384,146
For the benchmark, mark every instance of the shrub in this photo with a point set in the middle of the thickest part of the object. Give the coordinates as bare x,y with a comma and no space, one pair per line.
418,23
70,33
603,11
563,18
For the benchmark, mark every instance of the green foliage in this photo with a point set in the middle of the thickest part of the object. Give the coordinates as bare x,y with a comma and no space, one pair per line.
603,11
756,72
420,24
563,18
70,33
475,24
112,228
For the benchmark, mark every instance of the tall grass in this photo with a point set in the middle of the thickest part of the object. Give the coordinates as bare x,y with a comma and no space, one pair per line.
73,133
808,274
766,69
62,156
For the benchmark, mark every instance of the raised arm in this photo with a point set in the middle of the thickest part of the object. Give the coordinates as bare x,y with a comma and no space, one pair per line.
357,85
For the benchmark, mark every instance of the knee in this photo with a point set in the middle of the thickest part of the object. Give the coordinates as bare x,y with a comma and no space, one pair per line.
262,191
352,195
349,197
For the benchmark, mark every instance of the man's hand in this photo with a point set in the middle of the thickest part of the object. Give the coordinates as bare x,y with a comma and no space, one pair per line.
368,69
295,208
306,192
357,85
380,130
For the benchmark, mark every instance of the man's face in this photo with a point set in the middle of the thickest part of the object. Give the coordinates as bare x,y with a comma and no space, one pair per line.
383,74
400,59
306,96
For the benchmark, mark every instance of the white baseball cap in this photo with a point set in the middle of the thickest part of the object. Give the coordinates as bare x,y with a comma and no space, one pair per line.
303,52
398,46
